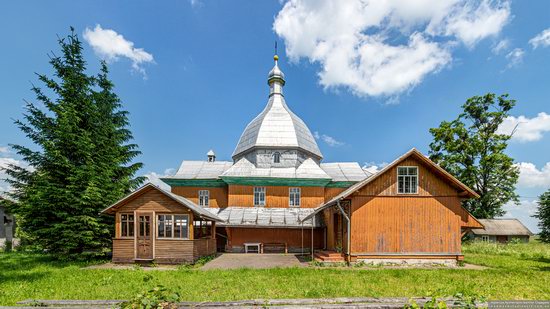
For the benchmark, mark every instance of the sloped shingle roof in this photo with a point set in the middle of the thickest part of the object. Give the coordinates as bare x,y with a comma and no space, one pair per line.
502,227
265,217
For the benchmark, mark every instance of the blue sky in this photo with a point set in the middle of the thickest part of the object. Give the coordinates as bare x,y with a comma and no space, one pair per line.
371,80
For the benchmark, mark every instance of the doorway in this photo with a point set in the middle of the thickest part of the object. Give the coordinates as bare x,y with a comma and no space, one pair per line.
144,239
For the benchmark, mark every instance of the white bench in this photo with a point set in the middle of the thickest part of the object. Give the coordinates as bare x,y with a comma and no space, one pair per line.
251,245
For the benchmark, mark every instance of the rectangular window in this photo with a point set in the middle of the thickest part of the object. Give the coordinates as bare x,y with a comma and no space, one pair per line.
173,226
259,196
204,198
407,179
485,238
181,229
294,197
126,225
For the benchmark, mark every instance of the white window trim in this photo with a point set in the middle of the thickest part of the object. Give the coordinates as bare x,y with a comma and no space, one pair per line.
290,197
417,177
201,198
173,224
485,238
259,204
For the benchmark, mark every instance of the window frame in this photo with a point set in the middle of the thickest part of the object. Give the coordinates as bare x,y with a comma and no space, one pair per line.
408,176
127,223
259,191
173,226
202,197
294,196
276,157
485,238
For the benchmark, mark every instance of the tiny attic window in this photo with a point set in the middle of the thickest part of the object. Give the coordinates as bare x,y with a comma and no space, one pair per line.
277,157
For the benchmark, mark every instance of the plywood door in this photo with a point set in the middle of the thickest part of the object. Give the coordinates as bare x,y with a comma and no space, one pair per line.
144,238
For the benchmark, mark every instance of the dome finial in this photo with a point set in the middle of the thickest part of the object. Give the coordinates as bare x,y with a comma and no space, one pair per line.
276,78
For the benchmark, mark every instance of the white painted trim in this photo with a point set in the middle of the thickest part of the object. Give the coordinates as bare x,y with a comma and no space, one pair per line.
417,178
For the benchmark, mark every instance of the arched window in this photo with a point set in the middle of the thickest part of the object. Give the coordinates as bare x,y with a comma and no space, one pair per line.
276,157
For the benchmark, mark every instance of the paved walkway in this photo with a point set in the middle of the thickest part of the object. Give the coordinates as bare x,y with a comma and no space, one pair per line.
252,260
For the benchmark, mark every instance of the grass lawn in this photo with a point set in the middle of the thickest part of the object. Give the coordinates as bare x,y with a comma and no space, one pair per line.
517,271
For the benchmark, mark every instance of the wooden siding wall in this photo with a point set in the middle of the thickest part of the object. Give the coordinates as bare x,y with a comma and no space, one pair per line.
218,196
174,250
203,247
332,192
276,196
293,237
384,221
405,225
428,183
123,250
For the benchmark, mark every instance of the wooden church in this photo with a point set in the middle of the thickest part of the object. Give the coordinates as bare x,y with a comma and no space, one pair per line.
277,195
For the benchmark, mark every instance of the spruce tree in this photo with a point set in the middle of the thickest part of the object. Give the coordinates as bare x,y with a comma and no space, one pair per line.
81,160
543,214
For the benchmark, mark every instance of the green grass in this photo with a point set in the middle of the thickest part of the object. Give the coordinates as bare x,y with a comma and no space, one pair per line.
517,271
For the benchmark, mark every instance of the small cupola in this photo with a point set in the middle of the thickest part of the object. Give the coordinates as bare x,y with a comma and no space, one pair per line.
211,156
276,78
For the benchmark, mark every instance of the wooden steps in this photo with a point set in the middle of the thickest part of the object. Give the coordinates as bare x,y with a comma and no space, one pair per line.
328,256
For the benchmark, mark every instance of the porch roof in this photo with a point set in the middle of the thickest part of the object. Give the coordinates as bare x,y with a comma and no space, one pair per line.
196,209
265,217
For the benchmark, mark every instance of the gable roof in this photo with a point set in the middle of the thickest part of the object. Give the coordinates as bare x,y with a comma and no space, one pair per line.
196,209
245,168
201,170
345,171
413,152
502,227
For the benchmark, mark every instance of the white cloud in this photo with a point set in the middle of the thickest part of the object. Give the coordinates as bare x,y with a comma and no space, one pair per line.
5,162
154,178
501,46
384,48
542,39
111,46
4,149
373,167
329,140
515,57
472,21
526,129
524,212
532,177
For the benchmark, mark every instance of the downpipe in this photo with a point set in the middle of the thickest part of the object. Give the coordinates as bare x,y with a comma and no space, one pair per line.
348,257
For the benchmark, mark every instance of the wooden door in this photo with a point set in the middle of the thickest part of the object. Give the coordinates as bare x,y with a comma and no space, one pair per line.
144,238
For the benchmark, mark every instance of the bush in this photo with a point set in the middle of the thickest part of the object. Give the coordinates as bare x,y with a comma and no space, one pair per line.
158,297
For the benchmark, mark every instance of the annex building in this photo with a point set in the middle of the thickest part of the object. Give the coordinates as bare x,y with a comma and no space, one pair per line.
278,195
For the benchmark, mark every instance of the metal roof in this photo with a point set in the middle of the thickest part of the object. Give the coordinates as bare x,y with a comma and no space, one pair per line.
344,171
502,227
277,126
196,209
201,169
265,217
245,168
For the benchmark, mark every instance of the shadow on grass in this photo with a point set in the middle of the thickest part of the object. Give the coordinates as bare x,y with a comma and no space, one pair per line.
25,267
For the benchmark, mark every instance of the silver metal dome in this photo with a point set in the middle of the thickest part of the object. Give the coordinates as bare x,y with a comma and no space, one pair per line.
277,126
